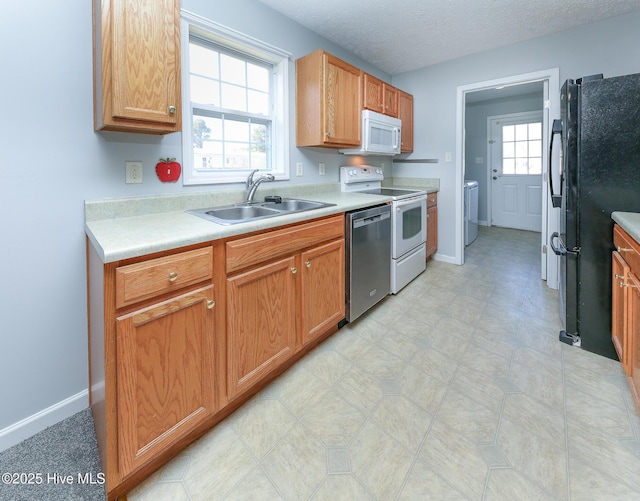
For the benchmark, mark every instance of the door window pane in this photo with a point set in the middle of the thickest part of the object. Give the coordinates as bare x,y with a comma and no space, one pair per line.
522,149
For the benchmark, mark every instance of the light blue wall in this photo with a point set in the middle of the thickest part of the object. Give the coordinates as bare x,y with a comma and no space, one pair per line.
51,160
608,47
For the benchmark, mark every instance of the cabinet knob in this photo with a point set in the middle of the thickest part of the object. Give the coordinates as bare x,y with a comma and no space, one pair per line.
173,276
210,304
294,270
172,109
308,264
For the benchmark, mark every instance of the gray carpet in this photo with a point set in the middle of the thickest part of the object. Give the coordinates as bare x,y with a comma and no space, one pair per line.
59,463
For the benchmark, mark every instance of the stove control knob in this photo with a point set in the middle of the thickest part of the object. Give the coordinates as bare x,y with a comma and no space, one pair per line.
379,171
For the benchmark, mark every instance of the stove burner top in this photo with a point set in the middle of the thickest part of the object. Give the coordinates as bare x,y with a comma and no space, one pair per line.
396,193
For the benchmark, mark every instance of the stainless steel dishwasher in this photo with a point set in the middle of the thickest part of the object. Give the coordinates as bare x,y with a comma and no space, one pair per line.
368,258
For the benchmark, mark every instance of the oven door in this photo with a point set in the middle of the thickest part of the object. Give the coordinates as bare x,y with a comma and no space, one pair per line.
408,225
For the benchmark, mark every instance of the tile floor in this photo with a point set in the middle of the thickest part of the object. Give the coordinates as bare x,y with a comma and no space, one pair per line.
457,388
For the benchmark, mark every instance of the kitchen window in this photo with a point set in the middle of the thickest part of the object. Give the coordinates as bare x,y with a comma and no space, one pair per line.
235,104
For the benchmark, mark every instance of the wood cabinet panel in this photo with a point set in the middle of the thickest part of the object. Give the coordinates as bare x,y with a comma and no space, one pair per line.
628,248
165,375
620,270
379,96
625,305
390,100
259,248
261,322
432,224
137,65
633,327
372,95
323,288
153,277
405,113
328,100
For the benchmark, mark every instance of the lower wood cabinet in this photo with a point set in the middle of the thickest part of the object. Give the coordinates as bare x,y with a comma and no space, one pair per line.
322,289
261,322
625,302
178,340
165,374
432,224
290,290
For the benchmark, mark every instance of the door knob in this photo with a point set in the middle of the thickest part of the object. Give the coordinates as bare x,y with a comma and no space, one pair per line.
495,177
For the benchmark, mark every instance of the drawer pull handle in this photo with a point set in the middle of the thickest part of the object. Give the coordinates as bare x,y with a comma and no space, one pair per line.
294,270
622,249
173,276
308,264
210,304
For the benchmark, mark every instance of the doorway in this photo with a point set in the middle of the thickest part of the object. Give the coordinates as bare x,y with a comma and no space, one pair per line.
514,170
549,79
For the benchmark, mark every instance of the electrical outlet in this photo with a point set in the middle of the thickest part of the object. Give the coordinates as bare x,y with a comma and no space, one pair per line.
299,169
382,165
448,157
133,172
479,160
321,169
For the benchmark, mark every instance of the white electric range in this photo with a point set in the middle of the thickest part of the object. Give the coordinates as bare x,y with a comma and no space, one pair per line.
408,221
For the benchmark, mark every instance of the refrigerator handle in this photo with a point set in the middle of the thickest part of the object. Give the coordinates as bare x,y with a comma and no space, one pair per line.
556,200
561,250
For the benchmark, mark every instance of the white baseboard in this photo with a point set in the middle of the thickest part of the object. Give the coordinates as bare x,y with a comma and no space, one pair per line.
444,259
29,426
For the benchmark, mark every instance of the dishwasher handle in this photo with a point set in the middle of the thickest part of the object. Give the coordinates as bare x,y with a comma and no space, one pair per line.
365,221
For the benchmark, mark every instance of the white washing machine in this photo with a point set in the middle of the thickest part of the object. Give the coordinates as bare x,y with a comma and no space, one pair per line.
470,211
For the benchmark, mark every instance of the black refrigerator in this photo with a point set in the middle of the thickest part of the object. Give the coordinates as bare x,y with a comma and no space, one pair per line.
599,173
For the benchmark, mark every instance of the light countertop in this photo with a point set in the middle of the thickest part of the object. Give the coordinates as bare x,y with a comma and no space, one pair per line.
130,227
630,222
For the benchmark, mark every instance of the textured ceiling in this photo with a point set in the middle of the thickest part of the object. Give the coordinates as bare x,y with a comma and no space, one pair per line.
402,35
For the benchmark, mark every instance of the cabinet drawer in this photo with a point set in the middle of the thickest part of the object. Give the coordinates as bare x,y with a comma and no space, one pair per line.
139,281
628,248
432,199
253,250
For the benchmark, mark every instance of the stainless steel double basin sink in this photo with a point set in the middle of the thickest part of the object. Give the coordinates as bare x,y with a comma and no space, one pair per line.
252,211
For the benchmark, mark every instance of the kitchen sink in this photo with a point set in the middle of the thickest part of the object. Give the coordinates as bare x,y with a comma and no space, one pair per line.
252,211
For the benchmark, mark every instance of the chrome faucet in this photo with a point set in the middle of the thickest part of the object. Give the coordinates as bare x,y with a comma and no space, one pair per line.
252,186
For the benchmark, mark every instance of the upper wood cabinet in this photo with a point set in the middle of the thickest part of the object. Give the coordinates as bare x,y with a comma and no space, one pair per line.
379,96
405,113
137,66
328,100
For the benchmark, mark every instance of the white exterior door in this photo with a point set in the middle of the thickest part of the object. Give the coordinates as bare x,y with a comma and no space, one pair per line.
516,171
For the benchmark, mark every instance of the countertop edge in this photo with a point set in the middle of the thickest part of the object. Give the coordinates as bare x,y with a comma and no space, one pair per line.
629,222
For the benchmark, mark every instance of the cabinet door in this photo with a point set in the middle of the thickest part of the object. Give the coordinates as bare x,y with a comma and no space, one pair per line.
261,322
372,95
342,119
432,230
633,329
165,375
619,273
390,100
323,289
141,65
405,113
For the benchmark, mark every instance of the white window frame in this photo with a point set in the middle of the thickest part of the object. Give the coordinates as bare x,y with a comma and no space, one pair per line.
210,30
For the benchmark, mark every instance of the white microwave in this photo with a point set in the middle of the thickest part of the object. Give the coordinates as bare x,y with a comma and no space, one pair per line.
380,135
